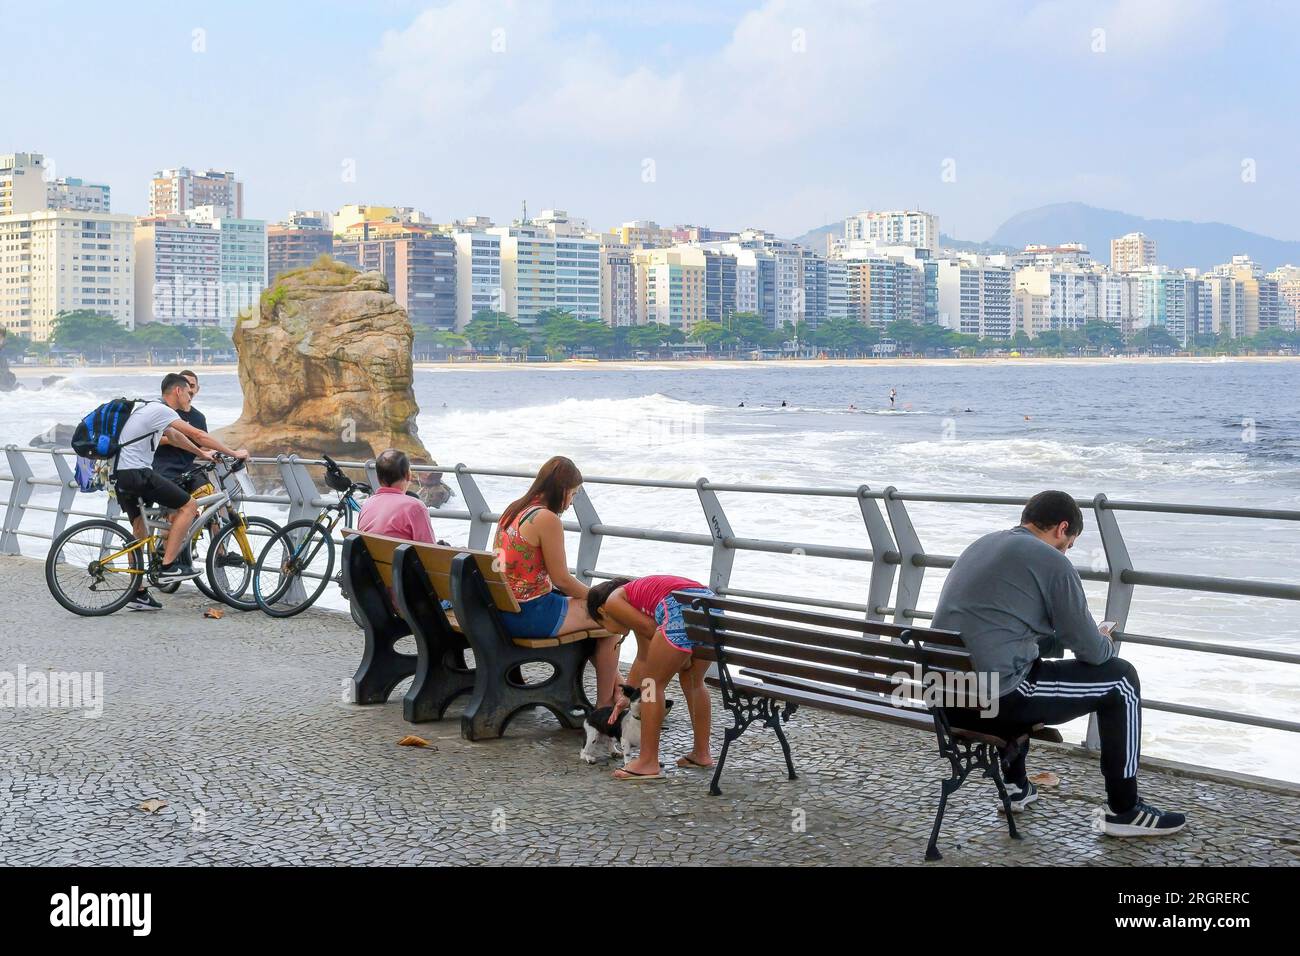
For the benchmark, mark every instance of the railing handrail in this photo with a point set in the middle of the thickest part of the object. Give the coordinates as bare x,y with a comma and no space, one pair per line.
895,548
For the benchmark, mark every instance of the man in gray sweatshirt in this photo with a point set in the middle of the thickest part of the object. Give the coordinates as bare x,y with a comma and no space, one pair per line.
1016,599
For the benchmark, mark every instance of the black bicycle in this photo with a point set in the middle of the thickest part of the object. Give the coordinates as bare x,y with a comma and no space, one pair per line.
298,562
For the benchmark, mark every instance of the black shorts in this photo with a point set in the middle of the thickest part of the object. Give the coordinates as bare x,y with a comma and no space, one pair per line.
135,485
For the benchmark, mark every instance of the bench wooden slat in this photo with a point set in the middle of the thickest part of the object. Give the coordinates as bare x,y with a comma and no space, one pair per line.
940,658
797,669
813,654
436,560
878,709
816,618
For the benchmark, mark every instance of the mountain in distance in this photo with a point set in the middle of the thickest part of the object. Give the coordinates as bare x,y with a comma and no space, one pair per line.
1179,243
815,240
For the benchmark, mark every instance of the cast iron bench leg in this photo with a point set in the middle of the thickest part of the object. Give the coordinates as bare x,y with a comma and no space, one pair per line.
932,848
991,769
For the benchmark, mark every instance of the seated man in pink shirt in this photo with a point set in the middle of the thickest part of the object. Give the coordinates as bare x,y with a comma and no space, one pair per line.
390,510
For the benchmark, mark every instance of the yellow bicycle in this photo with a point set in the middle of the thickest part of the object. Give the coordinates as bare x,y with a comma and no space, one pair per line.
96,567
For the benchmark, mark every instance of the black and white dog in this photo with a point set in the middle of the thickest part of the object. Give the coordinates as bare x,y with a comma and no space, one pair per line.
605,740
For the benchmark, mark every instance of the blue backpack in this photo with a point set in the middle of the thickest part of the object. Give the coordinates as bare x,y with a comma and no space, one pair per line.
97,435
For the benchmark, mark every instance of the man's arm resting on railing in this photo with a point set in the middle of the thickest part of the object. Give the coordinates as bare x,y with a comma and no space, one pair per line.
206,440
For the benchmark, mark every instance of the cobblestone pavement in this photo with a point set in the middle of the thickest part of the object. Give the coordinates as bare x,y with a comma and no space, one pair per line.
239,726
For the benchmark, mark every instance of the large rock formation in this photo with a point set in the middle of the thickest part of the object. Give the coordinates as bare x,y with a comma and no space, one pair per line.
325,366
8,380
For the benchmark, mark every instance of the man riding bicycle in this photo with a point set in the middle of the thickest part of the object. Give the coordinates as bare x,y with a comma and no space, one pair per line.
137,482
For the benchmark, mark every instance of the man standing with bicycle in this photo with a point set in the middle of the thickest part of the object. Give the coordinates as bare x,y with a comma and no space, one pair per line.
137,482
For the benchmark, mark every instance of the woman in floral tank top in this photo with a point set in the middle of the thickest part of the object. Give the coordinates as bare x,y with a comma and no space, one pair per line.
530,552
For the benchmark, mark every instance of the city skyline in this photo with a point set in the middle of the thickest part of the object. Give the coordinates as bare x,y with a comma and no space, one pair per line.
852,106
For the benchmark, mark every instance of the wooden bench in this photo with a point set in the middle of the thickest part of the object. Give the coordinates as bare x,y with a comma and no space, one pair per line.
421,577
376,587
772,660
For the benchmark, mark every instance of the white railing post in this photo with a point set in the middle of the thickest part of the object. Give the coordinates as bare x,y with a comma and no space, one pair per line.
724,555
910,573
480,526
882,542
589,542
67,493
20,489
1119,595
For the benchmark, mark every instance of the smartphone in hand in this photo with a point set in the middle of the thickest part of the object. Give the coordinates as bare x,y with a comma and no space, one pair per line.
1107,627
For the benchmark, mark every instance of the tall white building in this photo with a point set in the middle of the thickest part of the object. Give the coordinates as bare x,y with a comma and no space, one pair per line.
975,297
479,284
898,227
541,270
174,192
54,261
1131,252
28,184
618,294
243,260
178,272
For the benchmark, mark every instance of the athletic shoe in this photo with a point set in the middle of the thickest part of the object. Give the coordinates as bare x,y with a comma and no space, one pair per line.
176,572
144,601
230,560
1142,820
1021,795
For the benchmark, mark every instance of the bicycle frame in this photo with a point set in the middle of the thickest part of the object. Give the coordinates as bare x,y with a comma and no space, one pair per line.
157,528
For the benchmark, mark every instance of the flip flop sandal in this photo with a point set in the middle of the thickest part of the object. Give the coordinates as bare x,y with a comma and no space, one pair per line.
634,777
686,763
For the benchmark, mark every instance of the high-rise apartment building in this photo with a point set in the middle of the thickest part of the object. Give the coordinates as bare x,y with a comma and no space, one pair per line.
671,286
174,192
28,184
54,261
178,273
898,227
1071,254
297,242
479,283
1288,292
644,234
618,298
243,261
975,297
418,261
1131,252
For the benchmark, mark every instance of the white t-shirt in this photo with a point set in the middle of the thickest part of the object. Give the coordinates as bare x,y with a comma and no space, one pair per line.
152,420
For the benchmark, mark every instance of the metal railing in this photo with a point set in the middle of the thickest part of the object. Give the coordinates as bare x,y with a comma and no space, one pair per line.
896,557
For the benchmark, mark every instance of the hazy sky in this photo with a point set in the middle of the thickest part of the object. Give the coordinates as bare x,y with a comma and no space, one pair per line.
779,114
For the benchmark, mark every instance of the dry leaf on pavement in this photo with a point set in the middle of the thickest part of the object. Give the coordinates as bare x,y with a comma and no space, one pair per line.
410,740
1045,779
152,806
215,613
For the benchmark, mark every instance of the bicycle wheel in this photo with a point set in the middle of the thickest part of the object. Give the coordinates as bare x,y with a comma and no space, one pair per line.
230,564
294,568
87,571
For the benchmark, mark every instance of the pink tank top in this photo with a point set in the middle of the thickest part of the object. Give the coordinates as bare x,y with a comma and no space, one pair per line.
521,562
644,594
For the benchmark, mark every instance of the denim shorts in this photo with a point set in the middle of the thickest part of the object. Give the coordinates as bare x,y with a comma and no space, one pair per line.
668,615
540,617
